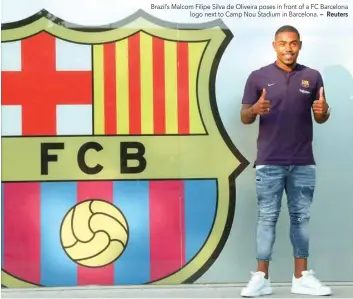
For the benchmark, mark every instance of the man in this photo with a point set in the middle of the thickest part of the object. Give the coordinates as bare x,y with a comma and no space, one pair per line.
283,94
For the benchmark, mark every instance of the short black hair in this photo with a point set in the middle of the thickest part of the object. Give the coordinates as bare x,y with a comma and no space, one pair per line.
287,28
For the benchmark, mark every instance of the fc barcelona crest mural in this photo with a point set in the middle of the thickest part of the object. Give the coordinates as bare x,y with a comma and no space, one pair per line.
116,168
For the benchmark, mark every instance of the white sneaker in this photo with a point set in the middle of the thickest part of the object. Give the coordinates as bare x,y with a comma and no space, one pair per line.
257,286
308,284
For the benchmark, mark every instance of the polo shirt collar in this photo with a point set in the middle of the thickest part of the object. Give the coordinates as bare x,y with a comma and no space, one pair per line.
297,67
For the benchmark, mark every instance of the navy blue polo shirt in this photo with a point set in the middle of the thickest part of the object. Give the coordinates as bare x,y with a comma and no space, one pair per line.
286,132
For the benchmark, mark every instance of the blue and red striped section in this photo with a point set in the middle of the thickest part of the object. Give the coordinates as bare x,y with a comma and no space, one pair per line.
169,221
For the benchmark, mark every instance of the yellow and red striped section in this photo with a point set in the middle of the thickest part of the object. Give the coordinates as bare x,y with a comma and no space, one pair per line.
147,85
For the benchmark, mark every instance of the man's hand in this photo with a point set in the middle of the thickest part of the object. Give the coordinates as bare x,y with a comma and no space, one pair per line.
320,106
262,106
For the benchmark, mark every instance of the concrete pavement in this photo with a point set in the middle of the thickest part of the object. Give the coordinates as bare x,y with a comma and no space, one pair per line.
341,290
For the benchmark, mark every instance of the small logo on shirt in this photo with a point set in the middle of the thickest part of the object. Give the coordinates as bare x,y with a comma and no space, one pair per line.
270,84
305,83
304,91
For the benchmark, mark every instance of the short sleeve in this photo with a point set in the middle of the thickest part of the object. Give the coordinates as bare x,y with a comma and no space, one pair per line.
250,95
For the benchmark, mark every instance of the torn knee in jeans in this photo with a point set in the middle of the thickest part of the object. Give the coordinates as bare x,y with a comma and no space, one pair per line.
268,218
295,219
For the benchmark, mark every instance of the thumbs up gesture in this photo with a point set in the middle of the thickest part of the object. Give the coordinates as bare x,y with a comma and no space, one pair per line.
262,106
320,106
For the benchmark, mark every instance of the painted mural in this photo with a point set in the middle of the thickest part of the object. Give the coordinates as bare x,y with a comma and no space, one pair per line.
111,141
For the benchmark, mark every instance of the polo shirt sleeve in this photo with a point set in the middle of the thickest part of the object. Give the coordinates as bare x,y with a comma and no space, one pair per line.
251,95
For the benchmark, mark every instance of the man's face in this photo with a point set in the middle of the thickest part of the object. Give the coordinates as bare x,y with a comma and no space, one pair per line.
287,46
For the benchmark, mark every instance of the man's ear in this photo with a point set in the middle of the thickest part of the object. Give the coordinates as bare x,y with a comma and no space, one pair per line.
300,45
274,45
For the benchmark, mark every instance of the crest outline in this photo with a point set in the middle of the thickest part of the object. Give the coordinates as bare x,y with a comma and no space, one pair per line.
217,43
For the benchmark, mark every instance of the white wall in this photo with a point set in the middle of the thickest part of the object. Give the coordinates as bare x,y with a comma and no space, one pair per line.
328,47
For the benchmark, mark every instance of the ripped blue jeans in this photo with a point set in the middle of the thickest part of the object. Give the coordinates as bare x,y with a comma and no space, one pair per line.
299,183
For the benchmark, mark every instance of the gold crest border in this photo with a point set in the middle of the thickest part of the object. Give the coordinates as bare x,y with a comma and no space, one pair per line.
218,38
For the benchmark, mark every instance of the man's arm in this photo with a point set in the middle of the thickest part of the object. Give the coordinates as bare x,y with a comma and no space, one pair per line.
247,115
261,107
321,108
320,105
250,97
